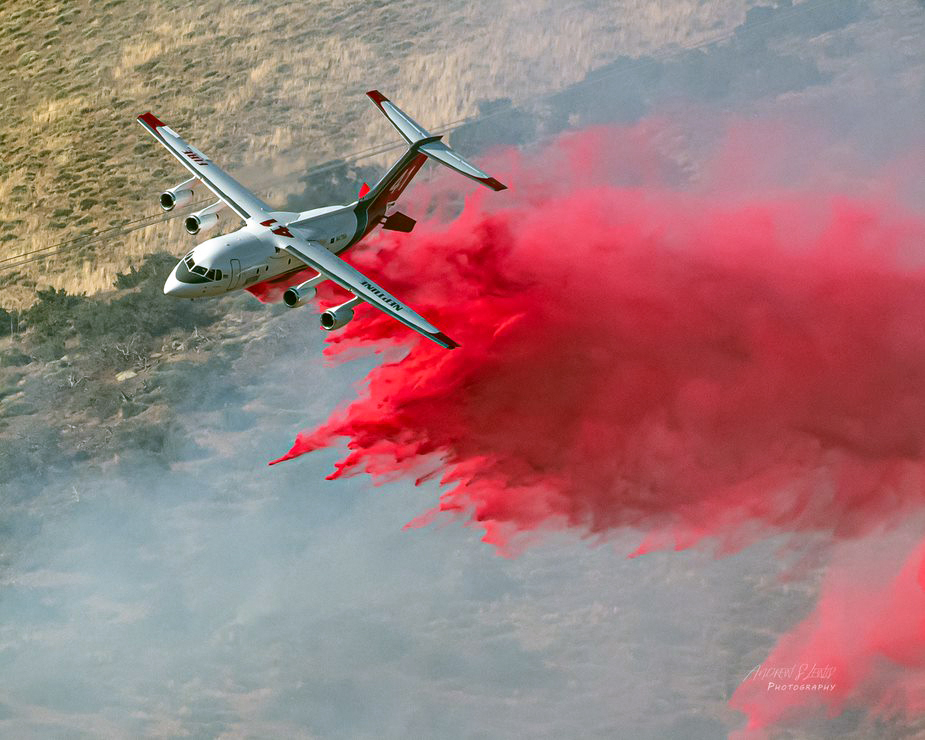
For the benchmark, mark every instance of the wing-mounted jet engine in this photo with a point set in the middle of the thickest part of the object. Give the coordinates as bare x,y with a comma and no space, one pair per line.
203,220
335,318
274,246
301,294
178,195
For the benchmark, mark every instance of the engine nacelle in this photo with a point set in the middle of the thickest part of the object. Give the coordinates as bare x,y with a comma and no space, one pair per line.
335,318
196,223
178,195
203,220
170,199
299,295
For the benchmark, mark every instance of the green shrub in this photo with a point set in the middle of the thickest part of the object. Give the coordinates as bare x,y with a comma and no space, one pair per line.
51,316
145,313
14,358
155,267
101,400
48,350
28,455
141,316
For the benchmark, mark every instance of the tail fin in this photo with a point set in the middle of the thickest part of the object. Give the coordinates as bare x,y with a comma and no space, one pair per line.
421,140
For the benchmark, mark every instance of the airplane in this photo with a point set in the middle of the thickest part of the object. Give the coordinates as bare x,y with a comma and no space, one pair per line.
273,245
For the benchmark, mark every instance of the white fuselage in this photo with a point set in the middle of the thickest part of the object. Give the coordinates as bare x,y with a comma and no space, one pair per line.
245,257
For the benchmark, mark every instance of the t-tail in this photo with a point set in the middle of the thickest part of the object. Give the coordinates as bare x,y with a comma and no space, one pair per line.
421,147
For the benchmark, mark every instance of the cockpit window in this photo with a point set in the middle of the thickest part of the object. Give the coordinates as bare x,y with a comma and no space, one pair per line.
187,268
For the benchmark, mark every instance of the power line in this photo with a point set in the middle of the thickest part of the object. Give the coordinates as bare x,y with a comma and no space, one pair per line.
141,223
9,263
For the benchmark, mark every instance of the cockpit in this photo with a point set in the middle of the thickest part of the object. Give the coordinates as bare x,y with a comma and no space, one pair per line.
189,272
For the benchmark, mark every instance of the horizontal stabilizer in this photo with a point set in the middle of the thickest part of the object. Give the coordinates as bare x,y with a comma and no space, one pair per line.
444,155
412,131
421,140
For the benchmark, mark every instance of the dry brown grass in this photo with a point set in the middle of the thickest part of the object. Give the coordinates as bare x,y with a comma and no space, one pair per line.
267,89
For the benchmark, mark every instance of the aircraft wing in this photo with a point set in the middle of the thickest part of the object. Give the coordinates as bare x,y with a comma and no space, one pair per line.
334,268
238,198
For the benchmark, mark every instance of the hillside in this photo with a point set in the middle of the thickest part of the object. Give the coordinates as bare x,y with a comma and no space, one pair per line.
268,89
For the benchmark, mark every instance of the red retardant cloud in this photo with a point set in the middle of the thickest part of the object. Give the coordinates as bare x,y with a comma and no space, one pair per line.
863,646
271,291
635,355
642,357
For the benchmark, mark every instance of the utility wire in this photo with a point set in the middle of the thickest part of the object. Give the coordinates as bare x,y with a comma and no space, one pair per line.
9,263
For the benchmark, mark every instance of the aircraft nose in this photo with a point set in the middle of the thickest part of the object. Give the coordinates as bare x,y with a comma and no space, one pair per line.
172,286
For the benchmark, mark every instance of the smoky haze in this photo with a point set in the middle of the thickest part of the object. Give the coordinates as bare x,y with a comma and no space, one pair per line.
172,584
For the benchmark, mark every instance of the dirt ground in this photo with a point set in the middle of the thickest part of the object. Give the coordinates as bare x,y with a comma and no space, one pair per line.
268,89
